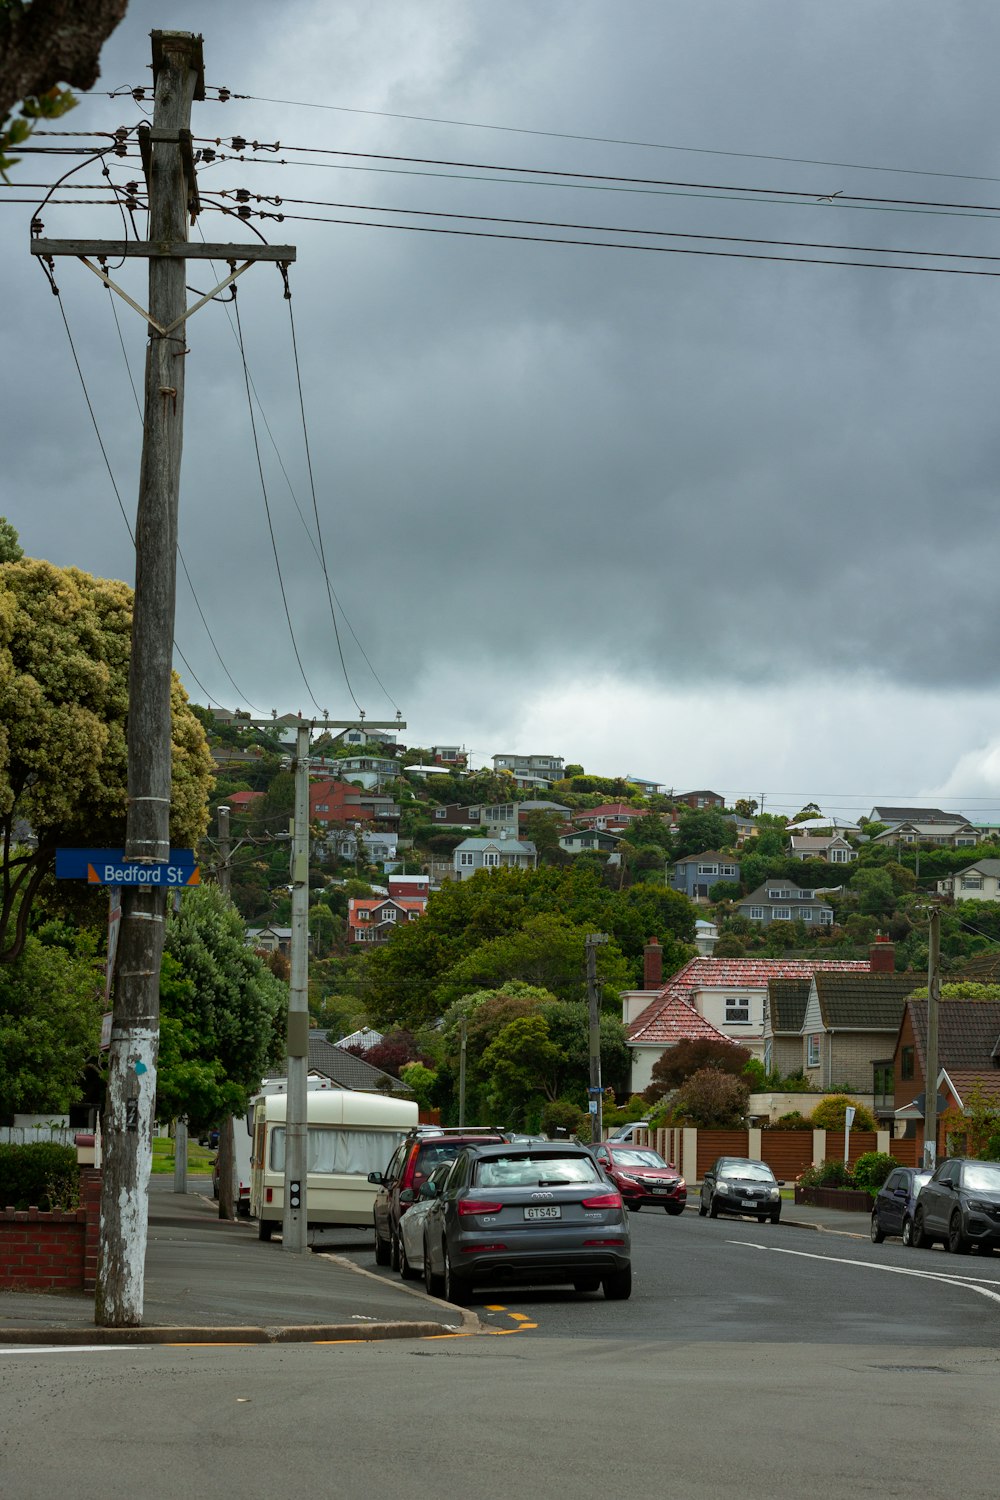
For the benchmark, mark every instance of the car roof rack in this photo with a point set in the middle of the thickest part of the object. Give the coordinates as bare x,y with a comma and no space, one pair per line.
499,1130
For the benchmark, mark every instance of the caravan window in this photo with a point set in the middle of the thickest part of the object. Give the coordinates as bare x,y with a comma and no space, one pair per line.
355,1152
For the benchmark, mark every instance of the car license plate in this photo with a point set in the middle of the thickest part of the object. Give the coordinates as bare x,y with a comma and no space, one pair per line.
543,1213
661,1190
750,1203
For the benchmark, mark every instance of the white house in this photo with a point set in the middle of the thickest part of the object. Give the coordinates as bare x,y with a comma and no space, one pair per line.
493,854
979,882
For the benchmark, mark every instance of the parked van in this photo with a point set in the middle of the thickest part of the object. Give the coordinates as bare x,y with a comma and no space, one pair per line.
349,1135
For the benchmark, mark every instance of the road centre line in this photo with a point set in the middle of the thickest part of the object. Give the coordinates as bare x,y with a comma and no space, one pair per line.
965,1283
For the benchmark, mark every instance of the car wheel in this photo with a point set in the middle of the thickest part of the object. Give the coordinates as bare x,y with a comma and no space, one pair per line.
394,1252
587,1284
920,1238
633,1208
673,1209
457,1289
433,1283
776,1216
907,1231
405,1268
618,1286
762,1218
383,1250
713,1208
956,1243
877,1233
265,1228
702,1210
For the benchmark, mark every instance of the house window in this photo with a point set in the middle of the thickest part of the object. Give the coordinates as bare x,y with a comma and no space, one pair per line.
466,857
778,894
972,883
737,1009
389,915
322,807
708,869
781,914
727,870
806,914
491,858
440,812
363,916
825,917
963,842
812,1055
756,914
906,1063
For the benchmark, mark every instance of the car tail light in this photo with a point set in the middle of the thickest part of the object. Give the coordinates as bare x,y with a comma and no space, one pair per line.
269,1195
481,1249
478,1206
604,1242
604,1200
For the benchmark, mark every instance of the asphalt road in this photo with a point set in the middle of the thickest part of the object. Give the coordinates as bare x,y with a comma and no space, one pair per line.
734,1280
766,1362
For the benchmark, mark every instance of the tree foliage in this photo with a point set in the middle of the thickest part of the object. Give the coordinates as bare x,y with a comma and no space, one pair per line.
711,1099
221,1013
692,1055
831,1113
51,1001
65,641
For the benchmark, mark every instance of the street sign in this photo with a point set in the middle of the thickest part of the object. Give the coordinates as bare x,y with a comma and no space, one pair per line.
109,867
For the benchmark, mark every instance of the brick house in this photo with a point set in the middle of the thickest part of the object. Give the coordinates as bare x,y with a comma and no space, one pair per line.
968,1048
374,919
851,1021
610,817
699,800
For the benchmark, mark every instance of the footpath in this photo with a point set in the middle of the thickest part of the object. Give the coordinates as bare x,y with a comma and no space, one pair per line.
211,1281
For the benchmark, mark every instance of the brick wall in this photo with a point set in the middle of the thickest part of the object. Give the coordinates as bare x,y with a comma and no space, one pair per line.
54,1251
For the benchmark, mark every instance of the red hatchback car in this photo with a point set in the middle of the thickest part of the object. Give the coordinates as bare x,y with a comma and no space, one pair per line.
642,1176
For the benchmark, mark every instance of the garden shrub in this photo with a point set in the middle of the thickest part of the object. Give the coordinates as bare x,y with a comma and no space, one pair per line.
831,1112
830,1173
872,1168
41,1175
794,1120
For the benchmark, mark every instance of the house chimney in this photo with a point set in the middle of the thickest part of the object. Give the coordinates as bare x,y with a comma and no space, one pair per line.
652,965
883,956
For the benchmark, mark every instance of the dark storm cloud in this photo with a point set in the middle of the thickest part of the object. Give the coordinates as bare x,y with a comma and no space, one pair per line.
574,459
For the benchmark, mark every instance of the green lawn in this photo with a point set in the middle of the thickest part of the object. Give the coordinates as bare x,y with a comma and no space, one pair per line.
200,1158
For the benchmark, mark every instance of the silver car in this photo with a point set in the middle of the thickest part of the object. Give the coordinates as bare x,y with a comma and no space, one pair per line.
526,1214
411,1223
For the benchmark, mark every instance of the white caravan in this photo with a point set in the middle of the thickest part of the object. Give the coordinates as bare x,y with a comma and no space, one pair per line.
349,1135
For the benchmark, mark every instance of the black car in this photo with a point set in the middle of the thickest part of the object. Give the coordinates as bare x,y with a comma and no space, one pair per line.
895,1202
960,1206
538,1214
737,1185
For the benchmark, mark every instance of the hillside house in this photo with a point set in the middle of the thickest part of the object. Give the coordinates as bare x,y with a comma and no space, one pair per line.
978,882
779,900
833,848
492,854
695,875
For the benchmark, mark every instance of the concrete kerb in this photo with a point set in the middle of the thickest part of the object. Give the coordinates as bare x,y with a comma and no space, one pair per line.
299,1333
470,1322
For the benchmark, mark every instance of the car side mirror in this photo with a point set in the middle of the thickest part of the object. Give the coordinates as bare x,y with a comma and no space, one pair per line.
429,1190
901,1192
780,1181
406,1195
375,1177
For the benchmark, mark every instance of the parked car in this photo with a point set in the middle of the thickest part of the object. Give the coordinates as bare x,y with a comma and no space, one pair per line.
642,1176
960,1206
411,1225
409,1167
737,1185
628,1132
892,1212
527,1214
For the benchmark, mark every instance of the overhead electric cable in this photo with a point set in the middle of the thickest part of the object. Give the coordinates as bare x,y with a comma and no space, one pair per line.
267,510
612,140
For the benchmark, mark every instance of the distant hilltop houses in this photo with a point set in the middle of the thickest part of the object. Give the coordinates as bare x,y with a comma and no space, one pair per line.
405,819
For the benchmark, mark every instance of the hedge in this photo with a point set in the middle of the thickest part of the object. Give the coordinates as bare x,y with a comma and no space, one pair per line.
41,1175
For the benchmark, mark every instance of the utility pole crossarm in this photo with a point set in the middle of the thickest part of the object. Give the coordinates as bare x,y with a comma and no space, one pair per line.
154,249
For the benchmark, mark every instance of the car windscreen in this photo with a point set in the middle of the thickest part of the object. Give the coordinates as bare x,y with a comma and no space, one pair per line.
535,1171
981,1176
636,1157
753,1171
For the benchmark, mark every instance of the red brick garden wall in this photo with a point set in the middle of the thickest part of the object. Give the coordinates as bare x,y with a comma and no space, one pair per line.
54,1251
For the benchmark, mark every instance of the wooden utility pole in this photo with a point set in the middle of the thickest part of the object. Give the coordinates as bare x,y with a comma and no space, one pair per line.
596,1092
168,163
227,1145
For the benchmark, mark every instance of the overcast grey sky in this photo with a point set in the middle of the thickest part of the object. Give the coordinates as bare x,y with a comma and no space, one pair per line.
714,521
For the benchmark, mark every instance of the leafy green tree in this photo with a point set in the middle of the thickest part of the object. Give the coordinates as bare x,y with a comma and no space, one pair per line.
745,807
10,547
701,829
65,642
831,1113
694,1055
543,829
711,1099
547,951
222,1013
422,1081
522,1064
875,891
50,1025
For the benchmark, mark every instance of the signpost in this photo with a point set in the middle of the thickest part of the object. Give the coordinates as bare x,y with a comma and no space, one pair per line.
848,1122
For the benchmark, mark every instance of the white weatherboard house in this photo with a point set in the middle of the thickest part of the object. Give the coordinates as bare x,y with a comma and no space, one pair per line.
493,854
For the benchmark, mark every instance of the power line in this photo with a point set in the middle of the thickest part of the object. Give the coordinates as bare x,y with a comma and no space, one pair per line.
541,239
240,143
611,140
281,201
267,510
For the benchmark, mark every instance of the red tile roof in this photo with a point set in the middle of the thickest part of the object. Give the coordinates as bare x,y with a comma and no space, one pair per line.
677,1021
243,799
726,973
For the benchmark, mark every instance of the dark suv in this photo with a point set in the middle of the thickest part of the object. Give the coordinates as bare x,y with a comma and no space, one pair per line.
960,1206
410,1166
